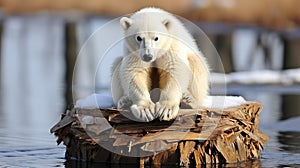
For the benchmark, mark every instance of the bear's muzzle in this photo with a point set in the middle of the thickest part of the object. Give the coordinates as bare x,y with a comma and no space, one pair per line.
147,57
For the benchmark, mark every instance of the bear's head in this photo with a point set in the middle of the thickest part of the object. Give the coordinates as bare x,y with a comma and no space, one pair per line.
147,34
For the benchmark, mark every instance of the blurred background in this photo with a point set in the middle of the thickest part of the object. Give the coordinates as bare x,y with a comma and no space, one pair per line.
258,43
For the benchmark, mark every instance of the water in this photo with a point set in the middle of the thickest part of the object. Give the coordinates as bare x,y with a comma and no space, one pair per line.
29,147
282,150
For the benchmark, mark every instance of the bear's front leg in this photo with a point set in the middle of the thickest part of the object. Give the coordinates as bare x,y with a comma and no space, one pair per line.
168,106
142,108
174,77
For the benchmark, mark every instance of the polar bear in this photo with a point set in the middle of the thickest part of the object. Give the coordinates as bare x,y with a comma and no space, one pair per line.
159,53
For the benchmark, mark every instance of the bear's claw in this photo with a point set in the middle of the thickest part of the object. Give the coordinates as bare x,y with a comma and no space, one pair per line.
143,113
166,112
187,102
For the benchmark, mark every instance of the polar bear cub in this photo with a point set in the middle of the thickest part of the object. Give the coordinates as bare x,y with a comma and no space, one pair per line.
162,67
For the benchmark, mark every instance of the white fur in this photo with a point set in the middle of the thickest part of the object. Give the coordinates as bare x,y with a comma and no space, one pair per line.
183,71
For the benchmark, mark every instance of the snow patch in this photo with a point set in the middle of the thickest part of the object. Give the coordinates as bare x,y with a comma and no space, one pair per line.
95,101
255,77
106,101
220,102
292,74
285,77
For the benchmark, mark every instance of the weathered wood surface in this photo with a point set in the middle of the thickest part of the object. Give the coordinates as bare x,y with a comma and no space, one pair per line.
197,136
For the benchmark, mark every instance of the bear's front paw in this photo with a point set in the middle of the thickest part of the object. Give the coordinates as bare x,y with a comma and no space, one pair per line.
144,112
186,102
124,103
167,111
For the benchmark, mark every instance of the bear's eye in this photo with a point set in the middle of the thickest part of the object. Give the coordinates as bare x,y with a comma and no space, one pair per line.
139,38
156,39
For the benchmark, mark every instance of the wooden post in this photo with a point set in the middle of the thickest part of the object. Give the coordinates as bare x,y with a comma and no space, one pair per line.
71,48
1,31
290,105
291,59
223,44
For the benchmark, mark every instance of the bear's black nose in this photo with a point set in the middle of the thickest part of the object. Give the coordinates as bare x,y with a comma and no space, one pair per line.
147,57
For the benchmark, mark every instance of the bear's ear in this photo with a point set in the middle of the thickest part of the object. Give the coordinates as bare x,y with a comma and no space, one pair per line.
125,22
166,23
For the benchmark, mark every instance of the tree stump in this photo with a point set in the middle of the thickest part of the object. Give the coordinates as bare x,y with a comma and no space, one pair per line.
195,137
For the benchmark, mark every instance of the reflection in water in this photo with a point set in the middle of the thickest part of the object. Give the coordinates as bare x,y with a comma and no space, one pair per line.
290,141
275,156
